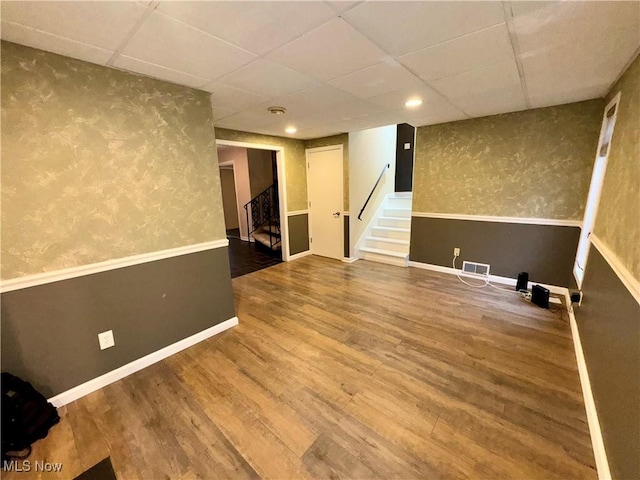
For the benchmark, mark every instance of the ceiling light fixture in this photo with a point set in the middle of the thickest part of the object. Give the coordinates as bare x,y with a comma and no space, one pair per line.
291,130
277,110
414,102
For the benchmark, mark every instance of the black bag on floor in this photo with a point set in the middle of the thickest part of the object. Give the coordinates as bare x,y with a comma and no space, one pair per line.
26,417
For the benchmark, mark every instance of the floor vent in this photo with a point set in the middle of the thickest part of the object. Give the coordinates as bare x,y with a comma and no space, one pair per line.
481,269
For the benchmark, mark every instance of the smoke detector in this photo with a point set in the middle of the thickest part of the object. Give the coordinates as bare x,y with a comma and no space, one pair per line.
277,110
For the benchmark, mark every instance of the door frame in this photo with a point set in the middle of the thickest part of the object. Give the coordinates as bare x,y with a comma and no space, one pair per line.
595,189
309,207
282,190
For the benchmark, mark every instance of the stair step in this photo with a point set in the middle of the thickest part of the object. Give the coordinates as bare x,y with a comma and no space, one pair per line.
391,232
271,228
399,241
397,222
397,212
380,251
265,239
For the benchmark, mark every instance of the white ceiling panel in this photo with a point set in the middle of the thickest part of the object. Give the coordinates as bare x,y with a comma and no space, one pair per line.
344,66
267,78
404,27
228,100
255,26
477,91
468,52
157,71
384,77
166,42
330,51
100,24
557,23
14,32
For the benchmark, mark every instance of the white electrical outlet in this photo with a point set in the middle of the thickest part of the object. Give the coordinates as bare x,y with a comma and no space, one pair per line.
407,146
456,252
106,339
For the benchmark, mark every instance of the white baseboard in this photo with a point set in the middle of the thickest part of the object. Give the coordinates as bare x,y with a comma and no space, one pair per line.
132,367
597,441
349,259
299,255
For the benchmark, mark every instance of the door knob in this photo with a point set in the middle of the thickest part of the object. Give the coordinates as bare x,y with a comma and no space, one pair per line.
336,214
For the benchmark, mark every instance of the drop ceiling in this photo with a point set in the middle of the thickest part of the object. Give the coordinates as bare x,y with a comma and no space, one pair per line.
345,66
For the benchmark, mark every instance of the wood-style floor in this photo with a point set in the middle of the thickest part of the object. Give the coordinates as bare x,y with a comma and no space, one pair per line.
347,371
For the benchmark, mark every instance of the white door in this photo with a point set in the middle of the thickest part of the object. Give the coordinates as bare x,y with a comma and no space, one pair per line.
324,187
595,189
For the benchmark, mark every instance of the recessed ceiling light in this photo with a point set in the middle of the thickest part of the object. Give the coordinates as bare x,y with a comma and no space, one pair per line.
414,102
291,130
277,110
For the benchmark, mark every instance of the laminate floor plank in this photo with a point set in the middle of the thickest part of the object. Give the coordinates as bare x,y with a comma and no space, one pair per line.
338,370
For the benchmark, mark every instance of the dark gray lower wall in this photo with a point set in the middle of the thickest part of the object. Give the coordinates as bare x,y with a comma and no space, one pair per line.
546,252
298,233
609,326
50,332
347,253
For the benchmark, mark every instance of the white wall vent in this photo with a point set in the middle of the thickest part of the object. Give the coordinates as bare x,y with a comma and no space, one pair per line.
474,268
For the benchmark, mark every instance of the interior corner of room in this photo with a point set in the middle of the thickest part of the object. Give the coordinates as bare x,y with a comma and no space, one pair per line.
156,203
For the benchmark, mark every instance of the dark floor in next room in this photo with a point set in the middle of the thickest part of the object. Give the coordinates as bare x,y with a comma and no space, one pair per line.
247,257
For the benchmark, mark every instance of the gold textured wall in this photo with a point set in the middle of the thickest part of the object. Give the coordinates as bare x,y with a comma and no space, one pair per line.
341,139
99,164
618,220
535,163
294,159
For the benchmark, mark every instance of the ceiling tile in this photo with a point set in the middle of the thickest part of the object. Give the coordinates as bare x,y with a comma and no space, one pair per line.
229,100
469,52
313,98
484,91
255,26
330,51
403,27
267,78
101,24
157,71
248,119
30,37
557,23
578,71
384,77
166,42
342,5
395,100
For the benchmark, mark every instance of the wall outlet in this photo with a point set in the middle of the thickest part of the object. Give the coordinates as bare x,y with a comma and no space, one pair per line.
106,339
407,146
456,252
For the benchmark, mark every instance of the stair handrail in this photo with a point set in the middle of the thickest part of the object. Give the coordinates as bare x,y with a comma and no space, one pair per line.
384,169
264,208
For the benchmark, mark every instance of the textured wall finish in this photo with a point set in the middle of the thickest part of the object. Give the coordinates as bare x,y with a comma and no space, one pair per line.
618,220
535,163
100,164
342,139
294,159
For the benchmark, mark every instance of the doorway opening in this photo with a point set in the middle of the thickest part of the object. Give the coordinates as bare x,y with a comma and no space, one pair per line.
249,181
595,188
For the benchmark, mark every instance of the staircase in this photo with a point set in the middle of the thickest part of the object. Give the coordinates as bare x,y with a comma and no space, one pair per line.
263,218
387,240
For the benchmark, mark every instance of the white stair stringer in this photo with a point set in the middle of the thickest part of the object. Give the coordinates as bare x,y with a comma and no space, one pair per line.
387,240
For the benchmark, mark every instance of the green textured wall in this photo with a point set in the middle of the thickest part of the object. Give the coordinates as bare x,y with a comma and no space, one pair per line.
294,159
618,221
99,164
341,139
535,163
